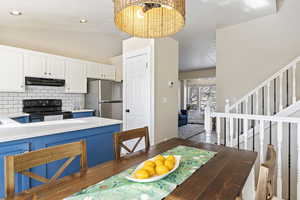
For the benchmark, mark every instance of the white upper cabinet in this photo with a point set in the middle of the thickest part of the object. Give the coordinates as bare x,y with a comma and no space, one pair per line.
76,80
55,67
93,70
42,66
11,71
35,65
108,72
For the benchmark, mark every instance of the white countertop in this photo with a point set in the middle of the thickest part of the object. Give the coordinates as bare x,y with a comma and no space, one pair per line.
13,115
11,130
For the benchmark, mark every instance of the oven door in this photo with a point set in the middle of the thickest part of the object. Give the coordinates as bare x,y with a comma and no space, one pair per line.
53,117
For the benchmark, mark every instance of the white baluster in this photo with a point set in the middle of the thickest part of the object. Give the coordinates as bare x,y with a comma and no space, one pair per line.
257,108
218,121
261,138
207,123
231,129
269,98
294,83
279,164
280,92
246,105
298,161
246,133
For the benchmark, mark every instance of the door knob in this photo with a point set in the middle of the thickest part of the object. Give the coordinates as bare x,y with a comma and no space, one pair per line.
127,110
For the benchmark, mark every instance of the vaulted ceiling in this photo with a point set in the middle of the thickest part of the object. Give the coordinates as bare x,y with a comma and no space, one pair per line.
53,26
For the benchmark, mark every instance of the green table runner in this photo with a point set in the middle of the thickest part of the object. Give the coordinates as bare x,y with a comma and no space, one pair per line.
118,187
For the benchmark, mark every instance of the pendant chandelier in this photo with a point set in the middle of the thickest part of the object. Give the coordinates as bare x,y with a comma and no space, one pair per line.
150,18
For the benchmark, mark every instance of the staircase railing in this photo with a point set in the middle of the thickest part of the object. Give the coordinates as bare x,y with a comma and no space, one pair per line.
271,96
233,130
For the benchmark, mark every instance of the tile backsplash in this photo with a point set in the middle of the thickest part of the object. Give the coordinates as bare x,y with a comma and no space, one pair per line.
11,102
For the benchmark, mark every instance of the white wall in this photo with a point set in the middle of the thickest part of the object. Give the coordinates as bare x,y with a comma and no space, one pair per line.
166,69
250,52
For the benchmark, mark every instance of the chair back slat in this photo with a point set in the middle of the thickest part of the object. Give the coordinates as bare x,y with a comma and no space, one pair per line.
24,162
121,137
265,186
47,155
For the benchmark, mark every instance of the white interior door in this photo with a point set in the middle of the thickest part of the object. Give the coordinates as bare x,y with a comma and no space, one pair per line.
136,94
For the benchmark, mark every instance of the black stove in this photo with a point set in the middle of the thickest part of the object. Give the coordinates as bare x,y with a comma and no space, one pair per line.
39,108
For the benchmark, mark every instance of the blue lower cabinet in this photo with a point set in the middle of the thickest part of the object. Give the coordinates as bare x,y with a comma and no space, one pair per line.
99,149
23,120
21,182
83,114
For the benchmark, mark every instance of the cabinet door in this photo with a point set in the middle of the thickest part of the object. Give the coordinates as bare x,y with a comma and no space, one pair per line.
76,81
56,68
108,72
21,182
11,71
35,65
93,70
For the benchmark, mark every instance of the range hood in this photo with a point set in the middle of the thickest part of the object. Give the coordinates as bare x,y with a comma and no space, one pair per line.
44,82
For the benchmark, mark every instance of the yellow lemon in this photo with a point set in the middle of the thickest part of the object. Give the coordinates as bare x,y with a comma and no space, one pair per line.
149,163
169,164
150,170
141,174
159,162
161,169
171,157
160,157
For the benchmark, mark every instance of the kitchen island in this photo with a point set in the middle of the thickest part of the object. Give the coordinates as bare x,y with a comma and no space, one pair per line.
16,138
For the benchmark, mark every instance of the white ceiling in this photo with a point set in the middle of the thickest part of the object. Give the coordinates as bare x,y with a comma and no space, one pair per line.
54,26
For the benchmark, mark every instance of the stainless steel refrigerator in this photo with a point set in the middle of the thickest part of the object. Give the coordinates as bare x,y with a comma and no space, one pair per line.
105,97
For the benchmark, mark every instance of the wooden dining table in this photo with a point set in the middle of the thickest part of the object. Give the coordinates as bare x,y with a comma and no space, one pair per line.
222,177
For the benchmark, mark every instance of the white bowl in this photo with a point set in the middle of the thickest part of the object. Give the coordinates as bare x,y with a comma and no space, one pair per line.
153,178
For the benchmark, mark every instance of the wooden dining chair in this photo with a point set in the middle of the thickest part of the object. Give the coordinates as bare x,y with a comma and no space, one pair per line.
23,162
265,186
121,137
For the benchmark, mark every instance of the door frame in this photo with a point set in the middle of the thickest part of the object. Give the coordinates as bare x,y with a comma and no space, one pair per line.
131,54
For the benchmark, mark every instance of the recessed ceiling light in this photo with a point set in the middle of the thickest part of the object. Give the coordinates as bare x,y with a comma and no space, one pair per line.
83,21
15,13
256,4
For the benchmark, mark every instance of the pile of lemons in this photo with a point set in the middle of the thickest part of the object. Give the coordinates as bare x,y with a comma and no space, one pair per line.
160,166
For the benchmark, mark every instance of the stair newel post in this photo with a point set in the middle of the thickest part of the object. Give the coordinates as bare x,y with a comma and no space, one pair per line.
218,129
207,123
261,138
227,106
279,164
294,83
256,102
280,92
269,98
298,161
